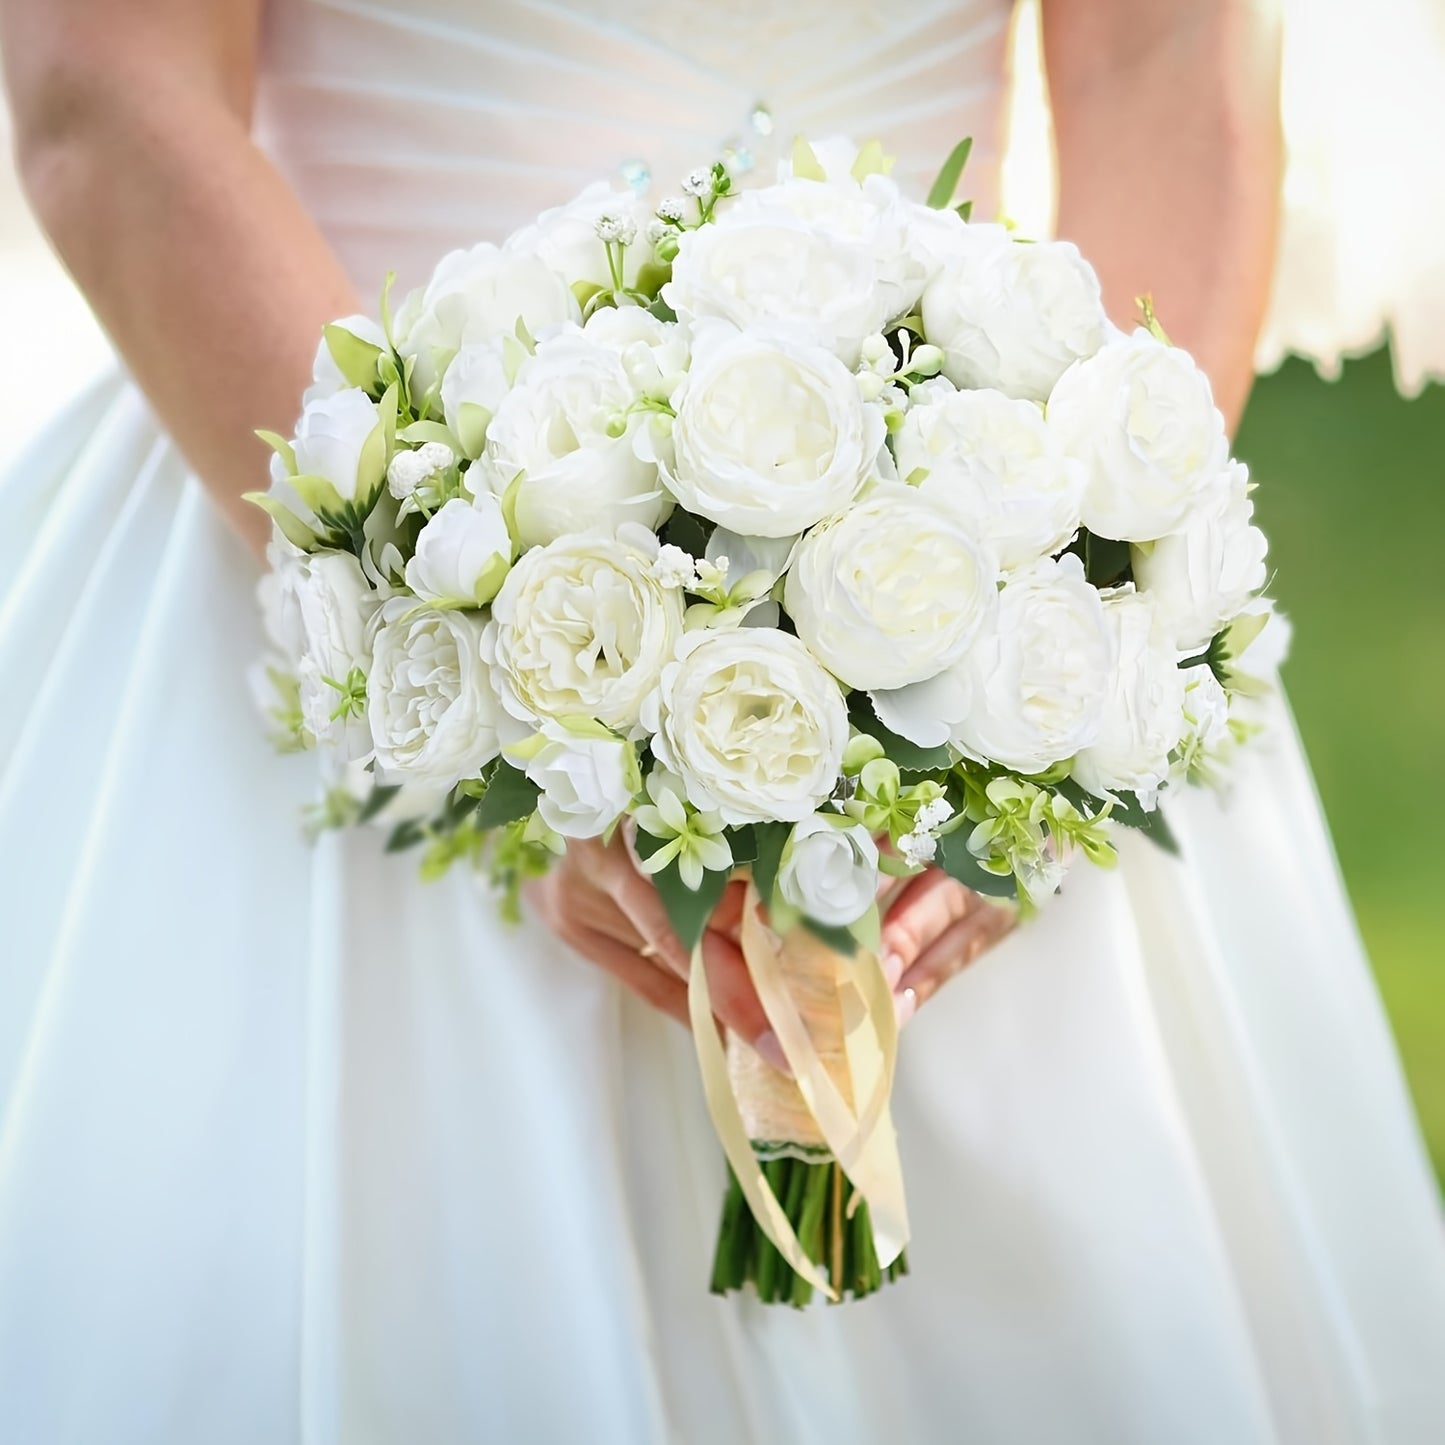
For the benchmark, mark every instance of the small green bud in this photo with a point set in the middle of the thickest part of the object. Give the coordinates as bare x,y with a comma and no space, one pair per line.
860,751
927,360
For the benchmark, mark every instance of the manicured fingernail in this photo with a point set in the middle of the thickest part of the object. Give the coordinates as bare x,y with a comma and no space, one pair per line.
905,1005
771,1052
892,968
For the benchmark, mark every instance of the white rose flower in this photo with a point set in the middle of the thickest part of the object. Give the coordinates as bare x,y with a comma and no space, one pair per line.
828,260
771,436
431,706
566,238
751,723
582,628
587,777
462,553
995,462
1012,315
476,295
829,870
326,376
1030,691
892,591
1143,717
550,438
1142,418
474,385
331,443
1202,576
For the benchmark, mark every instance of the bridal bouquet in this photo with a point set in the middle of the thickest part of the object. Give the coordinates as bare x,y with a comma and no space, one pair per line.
812,534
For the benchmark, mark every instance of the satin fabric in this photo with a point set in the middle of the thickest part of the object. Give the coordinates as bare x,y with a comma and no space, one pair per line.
297,1148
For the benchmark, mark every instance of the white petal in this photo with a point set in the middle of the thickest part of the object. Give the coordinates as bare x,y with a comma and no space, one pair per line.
925,712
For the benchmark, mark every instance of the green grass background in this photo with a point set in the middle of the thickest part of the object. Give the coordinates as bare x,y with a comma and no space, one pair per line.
1352,493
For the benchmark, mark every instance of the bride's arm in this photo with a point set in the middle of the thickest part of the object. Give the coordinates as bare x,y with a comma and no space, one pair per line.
1167,118
131,133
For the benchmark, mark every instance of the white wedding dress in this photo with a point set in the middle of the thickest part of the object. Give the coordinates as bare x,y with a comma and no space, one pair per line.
295,1148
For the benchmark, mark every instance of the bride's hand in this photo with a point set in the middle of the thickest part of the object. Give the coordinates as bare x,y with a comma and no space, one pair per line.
934,929
597,901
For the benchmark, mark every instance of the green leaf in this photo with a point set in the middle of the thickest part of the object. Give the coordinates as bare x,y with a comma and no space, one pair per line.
319,495
355,359
381,795
427,431
743,841
1241,632
770,840
386,327
906,756
871,161
472,423
405,835
958,862
1106,562
1152,825
840,940
940,193
586,292
686,531
687,910
806,165
652,276
510,796
281,447
965,210
290,525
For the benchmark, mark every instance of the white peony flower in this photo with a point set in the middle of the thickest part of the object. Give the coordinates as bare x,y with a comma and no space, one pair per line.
1030,691
462,553
996,463
474,296
771,436
1202,576
892,591
331,443
582,628
551,439
1142,418
326,376
474,385
829,261
588,776
751,723
567,240
829,869
1012,315
1143,717
431,706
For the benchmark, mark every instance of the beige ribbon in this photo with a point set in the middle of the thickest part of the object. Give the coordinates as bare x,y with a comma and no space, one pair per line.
854,1120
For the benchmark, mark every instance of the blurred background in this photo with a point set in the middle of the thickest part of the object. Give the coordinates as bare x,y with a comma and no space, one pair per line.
1352,493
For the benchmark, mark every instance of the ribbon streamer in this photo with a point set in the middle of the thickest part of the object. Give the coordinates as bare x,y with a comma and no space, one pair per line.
860,1137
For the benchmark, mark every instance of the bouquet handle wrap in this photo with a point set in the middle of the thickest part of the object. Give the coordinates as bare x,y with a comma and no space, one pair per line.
834,1020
